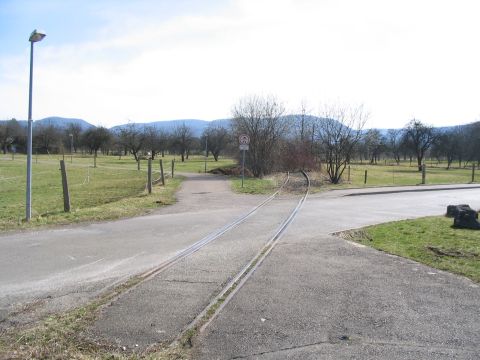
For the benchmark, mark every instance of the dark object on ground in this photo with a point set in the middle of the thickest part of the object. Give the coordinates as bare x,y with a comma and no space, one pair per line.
465,217
237,170
452,210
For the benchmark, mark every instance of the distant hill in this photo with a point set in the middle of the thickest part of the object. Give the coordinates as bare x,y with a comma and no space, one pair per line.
59,122
63,123
441,129
197,126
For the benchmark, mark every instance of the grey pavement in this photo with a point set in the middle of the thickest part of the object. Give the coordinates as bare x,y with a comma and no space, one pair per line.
158,310
63,267
320,297
314,297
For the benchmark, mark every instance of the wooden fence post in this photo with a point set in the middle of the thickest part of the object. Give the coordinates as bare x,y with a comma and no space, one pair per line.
161,172
66,194
149,177
173,167
365,179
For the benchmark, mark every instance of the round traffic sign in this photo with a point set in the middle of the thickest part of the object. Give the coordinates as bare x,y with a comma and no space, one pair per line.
244,139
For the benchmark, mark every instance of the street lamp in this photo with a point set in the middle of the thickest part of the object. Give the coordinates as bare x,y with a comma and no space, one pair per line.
34,37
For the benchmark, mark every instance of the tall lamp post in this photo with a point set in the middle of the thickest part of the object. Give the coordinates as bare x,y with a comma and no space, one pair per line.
34,37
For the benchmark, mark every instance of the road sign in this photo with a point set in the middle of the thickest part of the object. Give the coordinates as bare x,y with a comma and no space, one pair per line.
244,146
244,139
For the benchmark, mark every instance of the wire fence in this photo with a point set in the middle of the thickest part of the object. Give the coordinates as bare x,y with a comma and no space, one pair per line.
113,180
404,174
89,187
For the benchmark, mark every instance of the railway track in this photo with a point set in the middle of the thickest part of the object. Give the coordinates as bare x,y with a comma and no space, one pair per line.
227,265
229,291
212,236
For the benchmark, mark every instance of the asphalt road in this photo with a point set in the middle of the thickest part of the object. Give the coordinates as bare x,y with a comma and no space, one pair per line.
158,310
320,297
315,296
59,268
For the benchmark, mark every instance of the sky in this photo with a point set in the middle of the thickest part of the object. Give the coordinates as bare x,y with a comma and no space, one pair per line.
113,61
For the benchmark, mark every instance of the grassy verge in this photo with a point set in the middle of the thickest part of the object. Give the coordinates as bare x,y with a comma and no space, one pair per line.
254,185
431,240
126,207
62,336
114,188
99,209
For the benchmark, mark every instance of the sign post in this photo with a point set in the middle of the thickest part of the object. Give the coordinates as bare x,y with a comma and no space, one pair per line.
244,141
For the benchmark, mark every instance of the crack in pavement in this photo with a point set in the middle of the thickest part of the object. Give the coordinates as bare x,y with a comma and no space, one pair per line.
189,281
353,342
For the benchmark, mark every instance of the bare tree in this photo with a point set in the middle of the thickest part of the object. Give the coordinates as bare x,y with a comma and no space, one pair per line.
163,140
151,141
471,146
183,138
299,152
47,137
217,139
76,131
394,143
132,138
96,138
420,138
375,144
261,119
10,131
339,130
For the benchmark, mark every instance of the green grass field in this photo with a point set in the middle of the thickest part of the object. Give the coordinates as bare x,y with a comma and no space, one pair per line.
431,240
399,175
114,189
253,186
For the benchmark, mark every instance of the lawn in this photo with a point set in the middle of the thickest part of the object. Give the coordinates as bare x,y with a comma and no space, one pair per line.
431,240
253,185
113,189
390,174
377,175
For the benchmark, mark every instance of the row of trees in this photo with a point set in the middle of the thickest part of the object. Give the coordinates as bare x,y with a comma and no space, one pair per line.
328,141
139,141
417,140
335,137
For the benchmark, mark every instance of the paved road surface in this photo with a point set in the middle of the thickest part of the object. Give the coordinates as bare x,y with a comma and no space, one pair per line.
320,297
315,296
70,264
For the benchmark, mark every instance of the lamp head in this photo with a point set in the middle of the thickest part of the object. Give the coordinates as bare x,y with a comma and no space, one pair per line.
36,36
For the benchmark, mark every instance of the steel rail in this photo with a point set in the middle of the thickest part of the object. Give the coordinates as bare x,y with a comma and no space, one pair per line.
210,237
226,294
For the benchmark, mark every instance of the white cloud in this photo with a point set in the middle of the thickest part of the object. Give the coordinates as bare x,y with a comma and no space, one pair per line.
402,59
